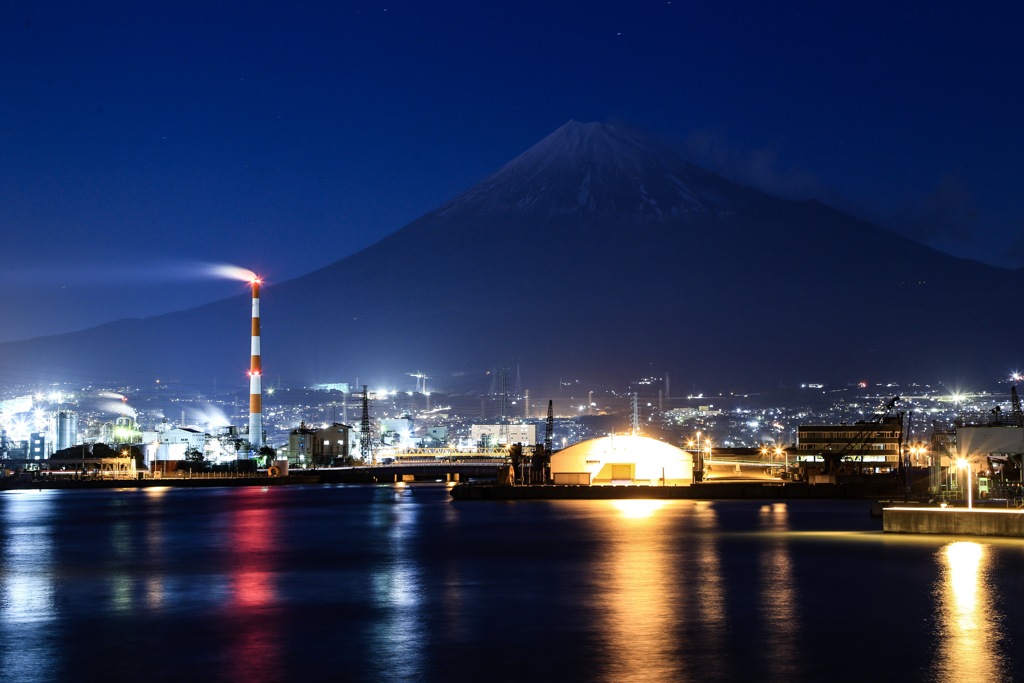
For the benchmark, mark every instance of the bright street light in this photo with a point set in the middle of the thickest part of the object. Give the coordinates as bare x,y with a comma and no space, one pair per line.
964,464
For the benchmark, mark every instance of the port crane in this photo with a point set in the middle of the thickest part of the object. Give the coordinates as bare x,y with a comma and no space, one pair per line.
864,430
421,381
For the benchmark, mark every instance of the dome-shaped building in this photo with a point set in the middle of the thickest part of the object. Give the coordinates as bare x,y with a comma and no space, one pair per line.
622,459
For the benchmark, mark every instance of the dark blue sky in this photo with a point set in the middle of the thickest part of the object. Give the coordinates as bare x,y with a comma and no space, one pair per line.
138,137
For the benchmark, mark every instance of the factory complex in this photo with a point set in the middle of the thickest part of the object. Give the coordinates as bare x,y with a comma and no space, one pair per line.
637,435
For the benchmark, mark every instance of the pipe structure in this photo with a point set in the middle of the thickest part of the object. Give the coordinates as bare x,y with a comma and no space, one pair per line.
255,375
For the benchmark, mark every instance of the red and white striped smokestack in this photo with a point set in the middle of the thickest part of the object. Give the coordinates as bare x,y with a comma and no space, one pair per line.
255,375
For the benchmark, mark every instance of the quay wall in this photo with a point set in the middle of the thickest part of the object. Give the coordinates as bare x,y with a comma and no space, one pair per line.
953,521
704,491
13,483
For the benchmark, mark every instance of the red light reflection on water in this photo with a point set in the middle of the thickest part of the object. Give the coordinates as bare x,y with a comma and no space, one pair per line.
252,653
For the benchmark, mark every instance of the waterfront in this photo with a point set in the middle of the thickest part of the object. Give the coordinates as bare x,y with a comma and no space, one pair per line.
369,583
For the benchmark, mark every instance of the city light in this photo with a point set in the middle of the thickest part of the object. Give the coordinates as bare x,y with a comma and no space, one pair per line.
918,452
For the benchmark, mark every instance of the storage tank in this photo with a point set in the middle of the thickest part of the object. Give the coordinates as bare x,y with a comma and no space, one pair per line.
67,429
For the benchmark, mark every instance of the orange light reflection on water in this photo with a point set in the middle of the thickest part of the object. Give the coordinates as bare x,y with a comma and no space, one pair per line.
638,508
779,604
647,579
639,613
707,581
969,626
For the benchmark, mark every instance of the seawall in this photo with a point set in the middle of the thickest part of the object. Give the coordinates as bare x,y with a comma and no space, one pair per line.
953,521
14,484
709,491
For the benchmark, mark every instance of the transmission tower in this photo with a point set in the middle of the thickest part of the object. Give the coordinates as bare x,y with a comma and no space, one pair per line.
365,446
549,428
634,422
503,437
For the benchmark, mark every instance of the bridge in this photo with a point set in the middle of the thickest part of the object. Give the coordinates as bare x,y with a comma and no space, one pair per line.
78,468
413,471
738,468
424,464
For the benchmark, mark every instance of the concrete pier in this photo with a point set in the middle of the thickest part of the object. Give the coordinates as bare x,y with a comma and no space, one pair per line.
954,521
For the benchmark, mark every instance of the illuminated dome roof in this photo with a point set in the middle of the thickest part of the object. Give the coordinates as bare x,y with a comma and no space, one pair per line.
622,459
617,445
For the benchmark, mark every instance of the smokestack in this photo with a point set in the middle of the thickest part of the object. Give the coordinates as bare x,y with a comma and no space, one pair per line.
255,375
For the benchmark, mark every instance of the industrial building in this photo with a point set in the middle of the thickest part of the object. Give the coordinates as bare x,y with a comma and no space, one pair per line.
873,444
174,443
622,460
67,429
318,446
502,435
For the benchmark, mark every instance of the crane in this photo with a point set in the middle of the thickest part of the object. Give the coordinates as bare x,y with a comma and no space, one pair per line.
864,429
421,381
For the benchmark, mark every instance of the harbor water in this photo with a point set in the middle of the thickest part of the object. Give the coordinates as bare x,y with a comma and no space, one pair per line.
400,583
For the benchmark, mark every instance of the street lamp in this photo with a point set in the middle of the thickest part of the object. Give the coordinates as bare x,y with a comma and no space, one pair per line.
964,464
918,451
700,457
779,450
698,466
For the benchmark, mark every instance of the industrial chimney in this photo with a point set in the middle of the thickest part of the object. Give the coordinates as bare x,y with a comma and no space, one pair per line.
255,375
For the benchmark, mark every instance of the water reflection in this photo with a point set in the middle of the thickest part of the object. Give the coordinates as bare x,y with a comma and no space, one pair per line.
27,584
398,591
705,573
969,627
778,607
155,590
638,508
254,651
638,594
120,584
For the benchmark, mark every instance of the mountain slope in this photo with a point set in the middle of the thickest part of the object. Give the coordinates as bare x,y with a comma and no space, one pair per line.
596,255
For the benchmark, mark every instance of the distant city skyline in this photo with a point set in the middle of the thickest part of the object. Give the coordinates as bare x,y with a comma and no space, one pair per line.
137,140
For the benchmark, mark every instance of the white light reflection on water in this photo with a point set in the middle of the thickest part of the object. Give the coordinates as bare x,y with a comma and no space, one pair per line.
155,590
398,593
120,583
454,605
27,585
969,627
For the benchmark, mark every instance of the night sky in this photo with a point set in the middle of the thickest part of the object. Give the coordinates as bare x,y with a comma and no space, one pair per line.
140,138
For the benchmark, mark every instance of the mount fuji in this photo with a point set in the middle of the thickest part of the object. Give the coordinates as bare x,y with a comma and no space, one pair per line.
597,255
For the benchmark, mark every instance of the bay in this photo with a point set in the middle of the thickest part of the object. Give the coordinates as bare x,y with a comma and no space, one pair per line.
400,583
